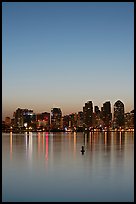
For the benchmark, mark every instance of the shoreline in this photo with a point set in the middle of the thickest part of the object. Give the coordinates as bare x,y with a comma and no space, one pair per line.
69,131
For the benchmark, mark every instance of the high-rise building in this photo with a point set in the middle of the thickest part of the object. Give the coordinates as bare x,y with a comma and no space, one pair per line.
80,119
129,119
20,116
88,114
29,119
96,109
65,121
73,120
107,115
119,114
7,121
132,119
96,117
56,119
43,120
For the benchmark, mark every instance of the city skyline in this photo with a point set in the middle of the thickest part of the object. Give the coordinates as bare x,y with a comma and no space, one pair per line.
64,54
91,118
81,110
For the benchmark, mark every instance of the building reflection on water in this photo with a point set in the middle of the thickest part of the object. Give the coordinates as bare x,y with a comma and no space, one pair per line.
39,143
11,146
47,162
75,135
47,144
30,146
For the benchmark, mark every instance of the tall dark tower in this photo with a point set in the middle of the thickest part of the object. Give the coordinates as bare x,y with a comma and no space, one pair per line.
20,116
107,115
56,118
119,114
96,109
88,114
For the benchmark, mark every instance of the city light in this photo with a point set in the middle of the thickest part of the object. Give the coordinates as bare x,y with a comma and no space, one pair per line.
90,119
25,124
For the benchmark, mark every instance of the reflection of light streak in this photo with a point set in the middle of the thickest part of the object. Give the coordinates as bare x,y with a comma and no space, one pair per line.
69,140
94,138
105,138
43,142
125,138
112,137
26,141
51,146
30,145
90,137
120,138
85,140
11,145
74,143
91,141
46,140
39,136
115,138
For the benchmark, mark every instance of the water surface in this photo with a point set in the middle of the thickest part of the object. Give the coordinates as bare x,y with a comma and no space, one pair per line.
50,167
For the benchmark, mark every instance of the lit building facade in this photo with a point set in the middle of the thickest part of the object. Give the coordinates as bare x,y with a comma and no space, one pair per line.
88,115
29,119
13,122
56,119
65,122
119,120
96,117
107,115
80,119
129,120
73,120
20,116
43,120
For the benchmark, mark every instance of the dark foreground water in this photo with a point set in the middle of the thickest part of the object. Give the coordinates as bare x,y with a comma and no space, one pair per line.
50,167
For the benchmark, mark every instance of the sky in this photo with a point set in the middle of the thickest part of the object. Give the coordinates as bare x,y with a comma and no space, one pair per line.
65,54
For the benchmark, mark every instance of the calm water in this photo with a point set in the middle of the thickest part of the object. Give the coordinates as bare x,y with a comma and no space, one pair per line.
50,167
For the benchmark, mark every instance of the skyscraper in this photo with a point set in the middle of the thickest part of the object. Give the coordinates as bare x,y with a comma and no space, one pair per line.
119,114
80,119
88,114
96,117
96,109
107,115
56,119
20,115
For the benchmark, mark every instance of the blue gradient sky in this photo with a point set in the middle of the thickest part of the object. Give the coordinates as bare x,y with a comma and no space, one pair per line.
64,54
